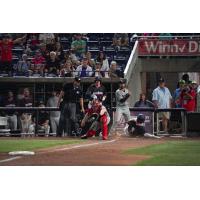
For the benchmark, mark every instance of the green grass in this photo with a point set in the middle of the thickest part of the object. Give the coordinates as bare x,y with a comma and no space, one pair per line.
31,144
174,153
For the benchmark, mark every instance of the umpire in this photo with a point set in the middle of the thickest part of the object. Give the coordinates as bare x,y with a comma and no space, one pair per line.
71,94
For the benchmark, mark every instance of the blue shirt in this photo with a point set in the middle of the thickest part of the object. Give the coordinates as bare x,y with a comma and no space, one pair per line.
162,96
176,96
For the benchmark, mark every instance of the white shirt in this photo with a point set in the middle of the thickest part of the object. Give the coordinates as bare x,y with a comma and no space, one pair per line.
162,96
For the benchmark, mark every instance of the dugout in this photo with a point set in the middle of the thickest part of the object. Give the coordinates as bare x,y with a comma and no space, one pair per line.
41,88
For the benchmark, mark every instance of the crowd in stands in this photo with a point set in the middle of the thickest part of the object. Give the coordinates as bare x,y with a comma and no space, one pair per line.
64,55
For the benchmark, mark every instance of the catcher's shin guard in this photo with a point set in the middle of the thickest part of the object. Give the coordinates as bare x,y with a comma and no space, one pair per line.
104,127
90,133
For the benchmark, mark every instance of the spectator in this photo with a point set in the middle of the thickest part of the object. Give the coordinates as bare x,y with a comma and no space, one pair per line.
120,39
59,51
52,64
23,65
177,93
91,62
38,58
79,45
97,70
46,37
162,99
44,51
143,102
10,102
37,70
194,85
113,72
54,115
70,55
6,45
43,120
34,42
84,70
67,70
51,46
104,62
186,78
165,36
26,117
188,98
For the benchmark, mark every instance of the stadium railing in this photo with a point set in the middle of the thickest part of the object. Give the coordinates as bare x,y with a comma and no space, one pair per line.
30,109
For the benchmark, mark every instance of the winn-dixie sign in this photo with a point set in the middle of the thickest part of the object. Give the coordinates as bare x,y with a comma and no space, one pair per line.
169,47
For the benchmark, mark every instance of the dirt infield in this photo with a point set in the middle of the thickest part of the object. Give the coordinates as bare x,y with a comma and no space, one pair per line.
93,152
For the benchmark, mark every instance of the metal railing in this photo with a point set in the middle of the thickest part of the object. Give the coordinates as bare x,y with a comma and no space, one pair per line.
30,109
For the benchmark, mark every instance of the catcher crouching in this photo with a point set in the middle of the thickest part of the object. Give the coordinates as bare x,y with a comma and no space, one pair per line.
95,120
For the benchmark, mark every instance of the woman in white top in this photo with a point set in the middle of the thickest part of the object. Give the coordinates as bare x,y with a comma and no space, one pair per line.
104,62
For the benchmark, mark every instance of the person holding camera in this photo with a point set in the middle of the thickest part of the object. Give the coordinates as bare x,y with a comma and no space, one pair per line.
188,98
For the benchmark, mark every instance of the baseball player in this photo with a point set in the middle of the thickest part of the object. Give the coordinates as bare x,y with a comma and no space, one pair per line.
101,120
96,89
122,108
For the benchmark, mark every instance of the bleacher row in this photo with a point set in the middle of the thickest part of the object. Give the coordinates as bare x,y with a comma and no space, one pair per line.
95,42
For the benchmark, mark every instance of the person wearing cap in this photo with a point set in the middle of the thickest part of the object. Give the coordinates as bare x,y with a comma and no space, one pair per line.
96,89
137,127
188,98
71,94
84,70
6,45
162,99
99,117
122,106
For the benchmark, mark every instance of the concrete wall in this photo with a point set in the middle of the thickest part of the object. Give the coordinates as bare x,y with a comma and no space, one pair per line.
135,84
137,81
170,64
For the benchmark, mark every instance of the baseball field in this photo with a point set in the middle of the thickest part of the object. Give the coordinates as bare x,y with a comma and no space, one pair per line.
120,151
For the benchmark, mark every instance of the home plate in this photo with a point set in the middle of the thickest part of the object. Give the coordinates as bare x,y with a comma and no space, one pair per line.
21,153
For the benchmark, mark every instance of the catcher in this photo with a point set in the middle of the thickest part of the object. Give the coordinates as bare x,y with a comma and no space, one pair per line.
96,119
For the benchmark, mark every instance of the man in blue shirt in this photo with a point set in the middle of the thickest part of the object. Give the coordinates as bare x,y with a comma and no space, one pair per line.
177,92
162,99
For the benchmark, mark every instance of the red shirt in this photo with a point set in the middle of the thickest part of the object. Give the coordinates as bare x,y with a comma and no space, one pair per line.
6,51
38,60
189,104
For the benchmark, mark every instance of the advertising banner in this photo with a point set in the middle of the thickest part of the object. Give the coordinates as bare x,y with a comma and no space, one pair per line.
175,47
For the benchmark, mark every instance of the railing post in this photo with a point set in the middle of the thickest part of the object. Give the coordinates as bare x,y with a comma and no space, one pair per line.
157,123
36,120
